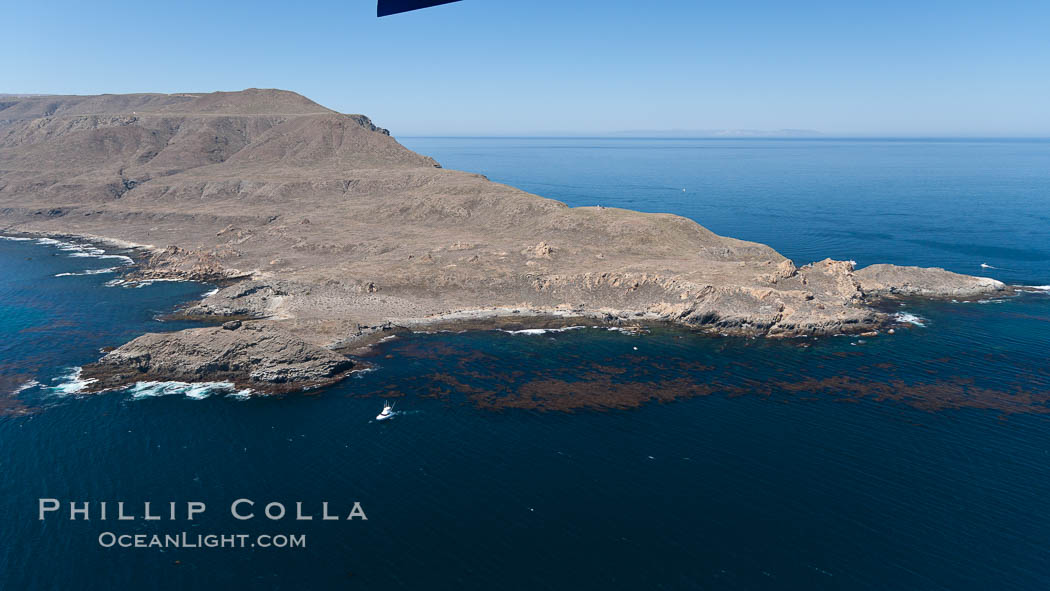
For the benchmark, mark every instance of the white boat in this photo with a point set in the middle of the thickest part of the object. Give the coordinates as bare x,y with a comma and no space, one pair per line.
386,413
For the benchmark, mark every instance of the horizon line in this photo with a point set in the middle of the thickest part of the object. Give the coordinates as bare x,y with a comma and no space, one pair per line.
899,137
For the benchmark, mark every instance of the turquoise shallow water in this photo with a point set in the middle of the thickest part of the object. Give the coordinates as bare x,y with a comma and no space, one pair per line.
588,458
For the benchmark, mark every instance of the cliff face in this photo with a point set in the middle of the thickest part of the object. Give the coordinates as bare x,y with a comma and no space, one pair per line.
338,228
254,356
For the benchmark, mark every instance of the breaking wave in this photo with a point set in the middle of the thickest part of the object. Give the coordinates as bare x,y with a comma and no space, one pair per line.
540,331
71,382
909,318
357,373
25,386
192,390
77,250
137,283
90,272
631,330
82,250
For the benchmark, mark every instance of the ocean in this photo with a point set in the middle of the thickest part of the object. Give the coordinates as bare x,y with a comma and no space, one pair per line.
582,458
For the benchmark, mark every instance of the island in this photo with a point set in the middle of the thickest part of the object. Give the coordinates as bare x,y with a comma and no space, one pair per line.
323,232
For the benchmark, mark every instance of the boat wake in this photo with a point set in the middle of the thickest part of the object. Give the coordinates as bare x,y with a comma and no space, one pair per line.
394,413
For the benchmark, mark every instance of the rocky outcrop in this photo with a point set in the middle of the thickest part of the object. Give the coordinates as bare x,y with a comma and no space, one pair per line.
886,280
256,356
246,299
178,263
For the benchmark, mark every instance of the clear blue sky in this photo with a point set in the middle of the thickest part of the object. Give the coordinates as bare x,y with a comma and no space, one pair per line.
585,66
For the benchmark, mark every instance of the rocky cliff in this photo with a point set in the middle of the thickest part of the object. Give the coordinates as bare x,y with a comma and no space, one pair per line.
253,355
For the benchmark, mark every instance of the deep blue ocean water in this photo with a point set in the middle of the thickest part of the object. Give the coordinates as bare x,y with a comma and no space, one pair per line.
945,203
587,458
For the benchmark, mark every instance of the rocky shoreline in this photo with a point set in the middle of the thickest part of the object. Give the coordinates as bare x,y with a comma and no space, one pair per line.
249,349
324,234
255,354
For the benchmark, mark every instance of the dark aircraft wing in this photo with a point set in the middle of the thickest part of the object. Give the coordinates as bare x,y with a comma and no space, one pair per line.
388,7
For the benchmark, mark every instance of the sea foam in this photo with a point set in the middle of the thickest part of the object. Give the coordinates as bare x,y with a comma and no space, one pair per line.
139,283
83,250
541,331
192,390
71,383
89,272
631,330
74,249
27,385
909,318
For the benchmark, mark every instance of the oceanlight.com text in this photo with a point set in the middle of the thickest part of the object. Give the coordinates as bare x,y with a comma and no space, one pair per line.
192,541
